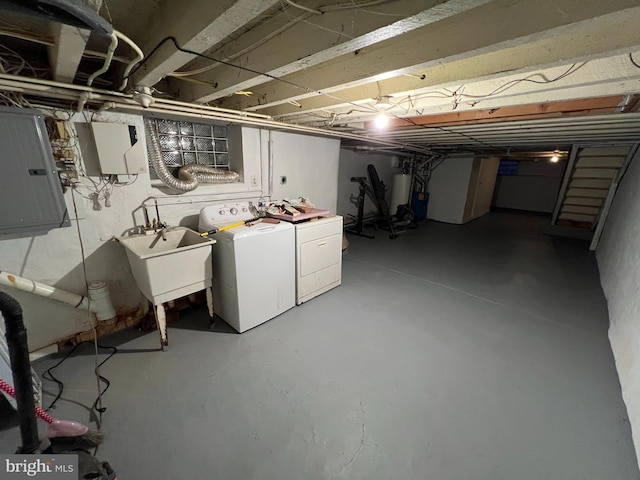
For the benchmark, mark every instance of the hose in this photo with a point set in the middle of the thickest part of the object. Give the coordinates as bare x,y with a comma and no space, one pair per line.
21,369
206,174
190,175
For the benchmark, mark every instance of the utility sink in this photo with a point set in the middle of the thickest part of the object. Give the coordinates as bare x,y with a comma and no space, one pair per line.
177,239
168,269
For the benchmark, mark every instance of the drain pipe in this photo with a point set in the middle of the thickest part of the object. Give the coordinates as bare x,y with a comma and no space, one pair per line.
98,302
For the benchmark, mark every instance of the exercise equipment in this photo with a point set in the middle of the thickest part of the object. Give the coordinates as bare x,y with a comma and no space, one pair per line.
375,189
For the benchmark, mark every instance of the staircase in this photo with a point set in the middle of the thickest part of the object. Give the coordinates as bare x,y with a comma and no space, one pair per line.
587,190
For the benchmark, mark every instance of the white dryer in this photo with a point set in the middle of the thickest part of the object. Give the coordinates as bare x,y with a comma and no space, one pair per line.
254,270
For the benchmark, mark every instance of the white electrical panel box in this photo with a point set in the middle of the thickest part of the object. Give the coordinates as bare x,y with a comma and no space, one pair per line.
120,151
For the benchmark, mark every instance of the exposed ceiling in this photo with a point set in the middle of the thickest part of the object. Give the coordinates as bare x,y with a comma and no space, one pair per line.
485,75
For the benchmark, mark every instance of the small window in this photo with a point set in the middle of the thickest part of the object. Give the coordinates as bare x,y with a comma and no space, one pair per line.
183,142
509,167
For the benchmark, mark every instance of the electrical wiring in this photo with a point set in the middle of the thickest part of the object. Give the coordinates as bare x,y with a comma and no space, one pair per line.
25,35
635,64
23,62
353,5
458,96
302,7
240,67
572,69
429,127
278,31
48,374
245,50
97,405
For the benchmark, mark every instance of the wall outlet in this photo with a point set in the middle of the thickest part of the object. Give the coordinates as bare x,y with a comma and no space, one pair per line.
254,181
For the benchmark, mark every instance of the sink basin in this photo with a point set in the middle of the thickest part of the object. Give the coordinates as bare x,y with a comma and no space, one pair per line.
166,270
178,238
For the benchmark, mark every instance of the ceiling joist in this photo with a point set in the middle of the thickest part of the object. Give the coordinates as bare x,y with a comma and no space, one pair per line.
463,36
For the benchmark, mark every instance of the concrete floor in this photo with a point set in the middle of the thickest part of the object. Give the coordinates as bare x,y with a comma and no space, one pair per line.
453,352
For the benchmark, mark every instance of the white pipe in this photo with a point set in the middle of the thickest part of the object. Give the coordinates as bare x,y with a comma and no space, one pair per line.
101,303
107,60
84,97
103,309
46,86
51,89
134,62
50,43
106,106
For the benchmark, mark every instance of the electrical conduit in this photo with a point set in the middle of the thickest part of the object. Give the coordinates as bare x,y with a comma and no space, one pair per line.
98,302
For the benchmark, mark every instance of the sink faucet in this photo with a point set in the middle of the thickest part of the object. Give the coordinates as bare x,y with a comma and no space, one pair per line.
163,231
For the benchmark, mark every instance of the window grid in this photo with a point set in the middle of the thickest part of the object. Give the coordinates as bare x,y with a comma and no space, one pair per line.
182,143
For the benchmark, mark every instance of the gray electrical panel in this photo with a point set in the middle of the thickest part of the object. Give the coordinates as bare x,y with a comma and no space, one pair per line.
31,198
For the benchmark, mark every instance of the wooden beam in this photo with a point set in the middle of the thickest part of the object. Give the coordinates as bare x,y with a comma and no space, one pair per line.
586,106
558,50
462,36
310,40
198,26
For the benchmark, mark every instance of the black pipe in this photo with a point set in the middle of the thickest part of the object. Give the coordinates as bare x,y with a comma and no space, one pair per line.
21,368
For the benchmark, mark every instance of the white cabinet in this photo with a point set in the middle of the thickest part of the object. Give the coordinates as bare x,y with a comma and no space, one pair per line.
481,185
461,188
318,257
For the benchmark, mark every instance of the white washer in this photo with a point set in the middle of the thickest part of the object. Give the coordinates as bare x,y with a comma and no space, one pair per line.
254,274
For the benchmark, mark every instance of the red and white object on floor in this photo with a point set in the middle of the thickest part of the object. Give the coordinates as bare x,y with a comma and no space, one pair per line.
253,265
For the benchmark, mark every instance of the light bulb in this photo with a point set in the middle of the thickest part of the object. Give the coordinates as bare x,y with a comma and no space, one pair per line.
555,159
381,120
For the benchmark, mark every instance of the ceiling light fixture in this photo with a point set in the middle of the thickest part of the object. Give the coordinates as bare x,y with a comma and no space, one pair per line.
382,104
382,120
555,158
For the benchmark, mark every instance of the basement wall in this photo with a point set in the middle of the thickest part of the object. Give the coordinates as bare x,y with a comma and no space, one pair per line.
310,165
534,189
618,256
55,258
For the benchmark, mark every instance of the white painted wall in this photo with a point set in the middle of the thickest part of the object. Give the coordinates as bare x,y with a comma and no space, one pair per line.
354,164
448,189
534,189
619,261
55,258
310,165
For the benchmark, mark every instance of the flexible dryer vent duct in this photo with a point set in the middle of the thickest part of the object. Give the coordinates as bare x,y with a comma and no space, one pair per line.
190,175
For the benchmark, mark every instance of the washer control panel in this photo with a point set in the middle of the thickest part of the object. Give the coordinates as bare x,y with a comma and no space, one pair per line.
216,216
